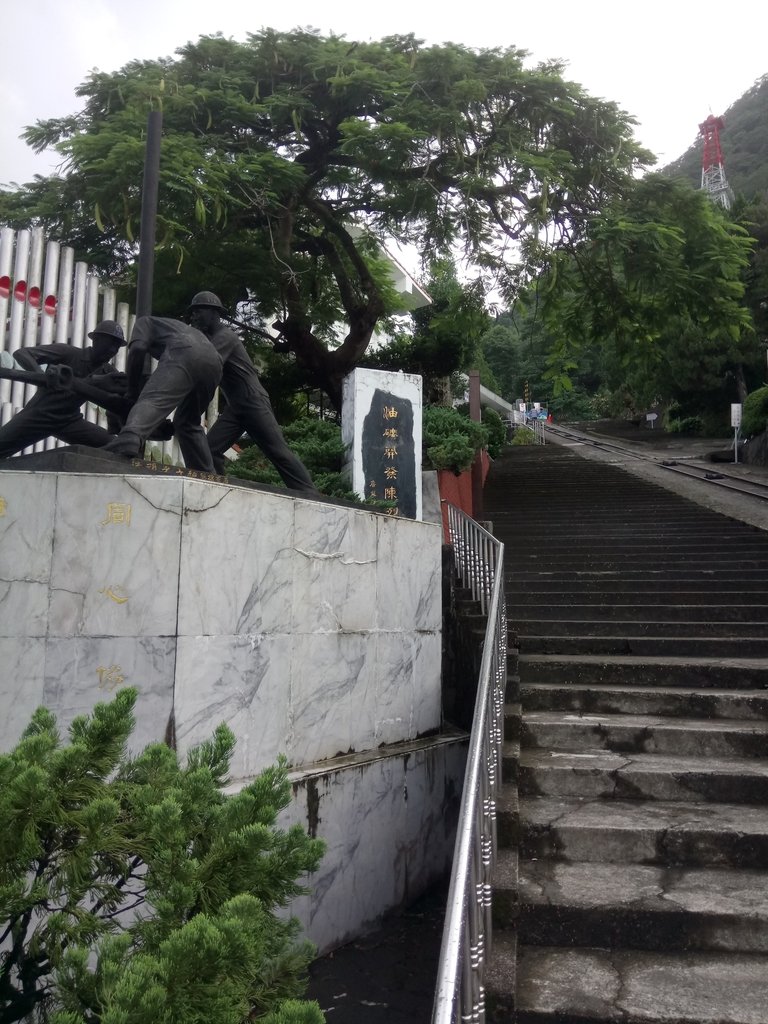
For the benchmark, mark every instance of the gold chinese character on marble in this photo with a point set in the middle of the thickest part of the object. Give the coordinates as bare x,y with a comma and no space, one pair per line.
3,506
118,512
390,472
390,493
389,412
110,678
390,452
114,594
390,432
393,511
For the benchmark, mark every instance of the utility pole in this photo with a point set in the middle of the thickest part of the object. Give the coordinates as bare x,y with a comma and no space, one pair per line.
149,193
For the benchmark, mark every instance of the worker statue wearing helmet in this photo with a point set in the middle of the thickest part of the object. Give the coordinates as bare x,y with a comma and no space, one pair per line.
57,413
248,409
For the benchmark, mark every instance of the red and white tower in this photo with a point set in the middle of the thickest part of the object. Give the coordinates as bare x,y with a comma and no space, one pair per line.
713,179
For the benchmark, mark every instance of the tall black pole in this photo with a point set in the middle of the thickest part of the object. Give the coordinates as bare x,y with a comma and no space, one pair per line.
149,215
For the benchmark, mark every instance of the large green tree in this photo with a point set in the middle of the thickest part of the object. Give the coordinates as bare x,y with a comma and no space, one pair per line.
284,156
658,284
135,891
442,338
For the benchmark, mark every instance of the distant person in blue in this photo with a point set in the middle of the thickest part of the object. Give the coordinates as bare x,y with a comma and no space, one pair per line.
248,409
185,379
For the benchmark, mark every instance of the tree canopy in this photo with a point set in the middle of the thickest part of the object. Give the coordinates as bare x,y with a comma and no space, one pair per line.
658,285
287,156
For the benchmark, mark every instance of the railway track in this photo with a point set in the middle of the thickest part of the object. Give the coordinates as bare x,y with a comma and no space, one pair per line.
714,474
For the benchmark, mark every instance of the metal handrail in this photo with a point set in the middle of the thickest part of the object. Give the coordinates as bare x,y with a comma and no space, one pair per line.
466,944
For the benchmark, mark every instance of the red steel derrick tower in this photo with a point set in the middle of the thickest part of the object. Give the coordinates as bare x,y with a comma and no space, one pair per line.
713,179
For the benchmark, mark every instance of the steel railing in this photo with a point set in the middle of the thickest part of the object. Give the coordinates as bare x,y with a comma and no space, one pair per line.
537,426
466,945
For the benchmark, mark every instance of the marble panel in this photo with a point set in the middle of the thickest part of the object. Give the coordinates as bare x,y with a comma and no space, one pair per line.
83,671
332,695
434,777
27,507
336,566
242,681
357,818
409,582
236,561
389,828
116,556
427,683
407,699
22,680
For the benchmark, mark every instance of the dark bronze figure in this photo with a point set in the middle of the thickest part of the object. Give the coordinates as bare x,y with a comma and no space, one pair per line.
248,408
186,377
56,411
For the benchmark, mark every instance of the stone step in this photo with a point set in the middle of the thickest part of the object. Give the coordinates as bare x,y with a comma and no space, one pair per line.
631,578
644,734
674,833
655,611
664,595
659,531
525,625
635,906
634,545
646,700
647,646
587,986
726,587
724,673
603,774
599,562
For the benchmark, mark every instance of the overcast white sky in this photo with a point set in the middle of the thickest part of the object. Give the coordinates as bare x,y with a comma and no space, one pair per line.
668,63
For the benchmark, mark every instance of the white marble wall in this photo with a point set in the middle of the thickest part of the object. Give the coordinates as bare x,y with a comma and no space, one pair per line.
311,629
388,822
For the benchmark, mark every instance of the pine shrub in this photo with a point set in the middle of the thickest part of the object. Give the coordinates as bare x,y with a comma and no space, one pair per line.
135,891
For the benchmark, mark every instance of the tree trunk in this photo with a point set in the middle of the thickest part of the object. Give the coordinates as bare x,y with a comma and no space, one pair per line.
326,369
741,383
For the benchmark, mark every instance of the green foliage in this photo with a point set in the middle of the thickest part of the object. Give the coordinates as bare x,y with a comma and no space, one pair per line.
523,435
497,432
319,446
754,416
657,290
444,335
287,156
687,425
450,439
134,889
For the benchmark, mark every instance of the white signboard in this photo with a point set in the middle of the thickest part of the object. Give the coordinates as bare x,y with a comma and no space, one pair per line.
736,414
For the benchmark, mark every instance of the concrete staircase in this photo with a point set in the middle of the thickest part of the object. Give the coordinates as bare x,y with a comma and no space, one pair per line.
632,877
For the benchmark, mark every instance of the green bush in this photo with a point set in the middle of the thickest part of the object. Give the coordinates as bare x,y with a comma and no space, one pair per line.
687,425
754,416
137,890
523,435
451,439
319,446
497,431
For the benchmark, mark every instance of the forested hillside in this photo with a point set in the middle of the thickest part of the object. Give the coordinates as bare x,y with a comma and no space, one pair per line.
745,145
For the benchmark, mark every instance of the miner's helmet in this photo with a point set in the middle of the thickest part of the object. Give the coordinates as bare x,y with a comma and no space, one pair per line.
207,300
108,329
